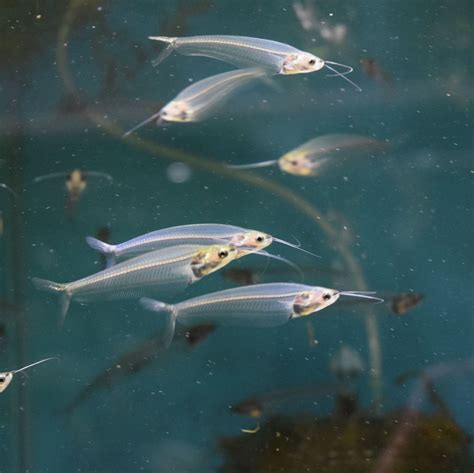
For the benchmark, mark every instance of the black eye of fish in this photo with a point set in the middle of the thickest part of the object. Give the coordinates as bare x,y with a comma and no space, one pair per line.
259,238
312,62
2,380
223,254
326,297
295,163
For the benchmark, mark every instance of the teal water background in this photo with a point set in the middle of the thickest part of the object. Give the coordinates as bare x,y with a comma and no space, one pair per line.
408,214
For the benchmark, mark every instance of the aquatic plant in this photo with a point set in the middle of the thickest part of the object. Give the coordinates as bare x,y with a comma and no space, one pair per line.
347,445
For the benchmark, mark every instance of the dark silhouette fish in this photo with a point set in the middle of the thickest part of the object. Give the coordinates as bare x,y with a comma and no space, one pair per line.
140,357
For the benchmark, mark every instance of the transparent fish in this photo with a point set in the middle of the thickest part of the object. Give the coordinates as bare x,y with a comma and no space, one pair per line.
260,305
141,356
162,271
198,234
312,157
243,51
6,377
75,183
199,100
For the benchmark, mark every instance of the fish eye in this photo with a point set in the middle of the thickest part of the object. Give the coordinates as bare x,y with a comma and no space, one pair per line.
326,297
259,238
2,380
223,254
312,62
294,163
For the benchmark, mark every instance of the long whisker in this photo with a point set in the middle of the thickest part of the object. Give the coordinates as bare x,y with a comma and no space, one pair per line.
34,364
344,77
349,68
143,123
361,295
283,260
253,165
296,247
266,266
366,293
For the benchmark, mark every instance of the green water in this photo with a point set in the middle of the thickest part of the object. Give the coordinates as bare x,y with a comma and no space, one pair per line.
404,217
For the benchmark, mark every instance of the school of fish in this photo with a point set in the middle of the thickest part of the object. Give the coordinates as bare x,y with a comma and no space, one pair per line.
162,263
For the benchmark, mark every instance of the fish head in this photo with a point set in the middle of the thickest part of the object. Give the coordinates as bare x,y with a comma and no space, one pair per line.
75,184
298,164
5,380
212,258
313,300
301,63
251,241
176,111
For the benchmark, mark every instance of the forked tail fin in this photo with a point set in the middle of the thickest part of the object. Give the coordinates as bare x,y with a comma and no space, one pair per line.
167,51
157,306
51,286
103,248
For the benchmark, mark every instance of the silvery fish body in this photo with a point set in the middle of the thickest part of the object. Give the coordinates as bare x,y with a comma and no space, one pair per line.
161,271
197,101
243,51
196,234
201,99
262,305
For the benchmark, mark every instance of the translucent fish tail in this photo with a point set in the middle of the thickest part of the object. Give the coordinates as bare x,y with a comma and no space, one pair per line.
167,51
158,306
103,248
50,286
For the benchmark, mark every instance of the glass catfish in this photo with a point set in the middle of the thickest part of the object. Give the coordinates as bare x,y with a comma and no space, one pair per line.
162,271
75,184
196,234
260,305
243,51
309,159
201,99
